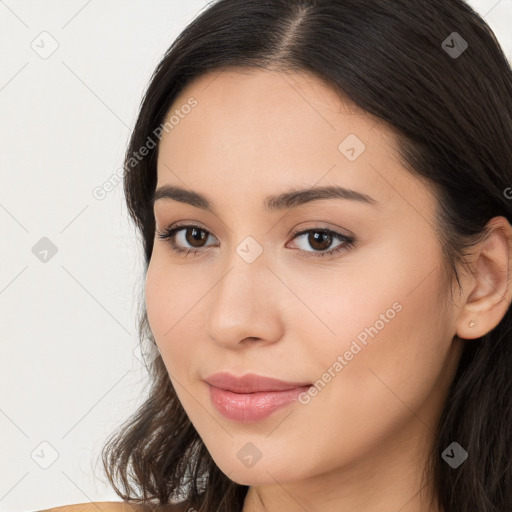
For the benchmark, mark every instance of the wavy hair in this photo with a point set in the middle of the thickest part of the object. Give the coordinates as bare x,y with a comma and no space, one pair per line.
452,114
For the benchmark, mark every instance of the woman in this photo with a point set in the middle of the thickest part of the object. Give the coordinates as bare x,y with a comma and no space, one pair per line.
323,192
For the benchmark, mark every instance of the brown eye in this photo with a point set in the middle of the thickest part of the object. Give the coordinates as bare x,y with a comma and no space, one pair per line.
320,240
185,239
194,236
190,239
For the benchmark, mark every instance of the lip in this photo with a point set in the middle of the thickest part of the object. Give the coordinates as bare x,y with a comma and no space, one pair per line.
251,397
250,383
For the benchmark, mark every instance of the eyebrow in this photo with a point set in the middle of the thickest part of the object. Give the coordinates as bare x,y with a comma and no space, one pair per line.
274,203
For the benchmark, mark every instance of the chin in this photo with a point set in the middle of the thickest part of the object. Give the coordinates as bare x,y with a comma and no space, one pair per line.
252,477
261,473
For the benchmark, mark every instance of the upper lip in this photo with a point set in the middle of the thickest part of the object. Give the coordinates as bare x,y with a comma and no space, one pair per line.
250,383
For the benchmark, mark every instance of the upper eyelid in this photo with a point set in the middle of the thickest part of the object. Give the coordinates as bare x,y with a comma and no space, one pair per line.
294,233
185,224
348,241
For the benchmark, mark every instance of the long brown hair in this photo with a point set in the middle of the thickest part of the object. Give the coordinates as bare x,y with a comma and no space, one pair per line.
451,105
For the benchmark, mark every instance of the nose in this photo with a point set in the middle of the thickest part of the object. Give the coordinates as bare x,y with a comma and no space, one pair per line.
245,304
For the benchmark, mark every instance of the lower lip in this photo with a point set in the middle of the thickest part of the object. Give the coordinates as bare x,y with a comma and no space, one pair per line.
250,407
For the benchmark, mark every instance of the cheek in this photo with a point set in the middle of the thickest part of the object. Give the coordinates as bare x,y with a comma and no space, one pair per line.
389,348
166,299
170,294
378,311
173,304
157,299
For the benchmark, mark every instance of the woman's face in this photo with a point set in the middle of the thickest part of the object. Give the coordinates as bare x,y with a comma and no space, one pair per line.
364,325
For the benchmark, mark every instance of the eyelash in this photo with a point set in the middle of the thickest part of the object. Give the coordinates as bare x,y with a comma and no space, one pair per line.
169,236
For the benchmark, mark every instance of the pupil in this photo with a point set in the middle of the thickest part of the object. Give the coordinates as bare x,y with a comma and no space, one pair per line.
319,235
318,238
195,232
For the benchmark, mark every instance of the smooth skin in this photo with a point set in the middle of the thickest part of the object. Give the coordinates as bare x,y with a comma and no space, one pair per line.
115,506
362,441
102,506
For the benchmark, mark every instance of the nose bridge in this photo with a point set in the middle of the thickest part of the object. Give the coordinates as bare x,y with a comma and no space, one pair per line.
244,279
246,264
240,306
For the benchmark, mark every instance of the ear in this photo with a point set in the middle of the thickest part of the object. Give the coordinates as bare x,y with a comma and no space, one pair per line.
488,291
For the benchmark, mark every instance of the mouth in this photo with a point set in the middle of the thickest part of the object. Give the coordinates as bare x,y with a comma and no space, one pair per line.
251,398
251,383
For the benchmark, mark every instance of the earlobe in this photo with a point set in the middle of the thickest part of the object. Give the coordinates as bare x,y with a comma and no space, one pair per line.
489,297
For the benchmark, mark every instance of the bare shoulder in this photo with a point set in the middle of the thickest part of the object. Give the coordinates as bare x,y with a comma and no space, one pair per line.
116,506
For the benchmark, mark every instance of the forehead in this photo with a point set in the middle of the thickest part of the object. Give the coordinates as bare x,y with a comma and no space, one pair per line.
271,103
260,130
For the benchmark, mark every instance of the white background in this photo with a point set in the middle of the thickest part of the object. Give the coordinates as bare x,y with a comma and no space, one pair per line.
68,371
